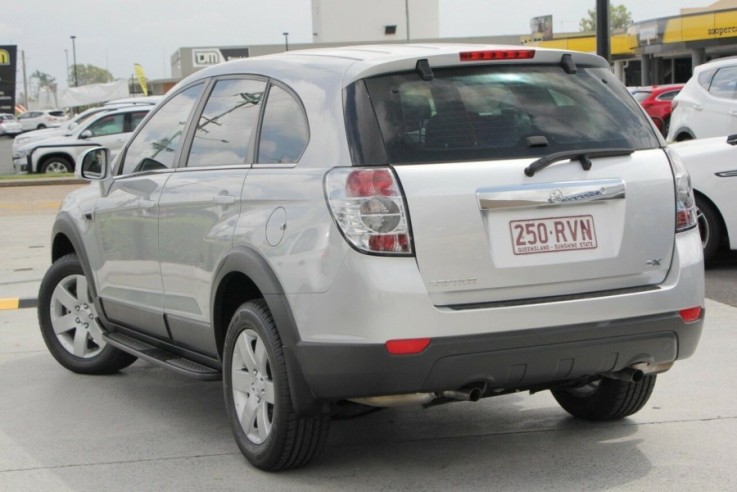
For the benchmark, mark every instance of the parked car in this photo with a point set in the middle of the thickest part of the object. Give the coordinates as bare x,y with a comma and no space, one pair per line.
712,164
387,225
657,99
9,124
43,118
66,128
707,104
59,154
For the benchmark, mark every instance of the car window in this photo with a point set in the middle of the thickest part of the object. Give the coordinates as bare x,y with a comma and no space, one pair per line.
724,83
284,131
136,119
705,78
57,113
668,96
108,125
226,128
641,95
501,112
156,145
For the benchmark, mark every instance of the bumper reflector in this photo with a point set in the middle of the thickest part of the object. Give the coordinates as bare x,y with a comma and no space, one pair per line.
690,315
407,347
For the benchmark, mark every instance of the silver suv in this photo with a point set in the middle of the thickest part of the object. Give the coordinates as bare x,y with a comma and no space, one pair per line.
384,225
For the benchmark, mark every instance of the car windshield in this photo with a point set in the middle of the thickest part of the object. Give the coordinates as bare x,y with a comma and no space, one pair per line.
501,111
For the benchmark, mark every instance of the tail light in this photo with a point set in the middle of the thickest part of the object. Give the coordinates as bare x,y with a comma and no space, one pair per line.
685,203
368,206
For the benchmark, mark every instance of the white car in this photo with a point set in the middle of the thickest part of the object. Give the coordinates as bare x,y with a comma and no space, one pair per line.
9,124
42,118
712,164
59,154
706,106
67,128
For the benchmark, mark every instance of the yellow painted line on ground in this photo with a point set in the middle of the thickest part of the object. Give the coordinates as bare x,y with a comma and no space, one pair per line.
9,303
25,206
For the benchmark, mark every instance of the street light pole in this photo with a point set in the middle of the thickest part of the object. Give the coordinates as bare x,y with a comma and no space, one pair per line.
286,41
74,60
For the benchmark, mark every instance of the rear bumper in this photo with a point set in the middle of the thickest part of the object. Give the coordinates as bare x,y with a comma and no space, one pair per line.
342,332
503,361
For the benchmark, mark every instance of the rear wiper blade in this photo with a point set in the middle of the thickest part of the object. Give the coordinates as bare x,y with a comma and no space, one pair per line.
582,155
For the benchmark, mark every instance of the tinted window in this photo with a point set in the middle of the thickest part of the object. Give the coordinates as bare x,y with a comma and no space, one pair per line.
284,133
108,125
136,119
156,145
504,111
57,113
724,82
226,128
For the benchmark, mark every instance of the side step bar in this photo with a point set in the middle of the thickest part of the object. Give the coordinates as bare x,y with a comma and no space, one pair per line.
162,358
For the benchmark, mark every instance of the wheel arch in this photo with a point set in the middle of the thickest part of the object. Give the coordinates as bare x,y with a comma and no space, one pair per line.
709,201
683,134
56,154
66,239
243,275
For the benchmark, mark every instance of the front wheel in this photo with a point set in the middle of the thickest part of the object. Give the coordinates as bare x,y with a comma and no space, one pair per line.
69,325
57,165
606,399
257,397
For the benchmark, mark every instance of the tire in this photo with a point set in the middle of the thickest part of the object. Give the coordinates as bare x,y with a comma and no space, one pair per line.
606,399
56,165
710,228
69,324
257,397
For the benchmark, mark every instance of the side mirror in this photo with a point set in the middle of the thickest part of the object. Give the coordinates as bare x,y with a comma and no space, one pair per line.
85,134
95,164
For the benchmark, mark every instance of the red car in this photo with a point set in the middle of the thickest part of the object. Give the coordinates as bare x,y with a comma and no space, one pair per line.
657,99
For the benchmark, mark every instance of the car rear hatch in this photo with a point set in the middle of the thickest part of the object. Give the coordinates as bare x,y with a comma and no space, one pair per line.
524,180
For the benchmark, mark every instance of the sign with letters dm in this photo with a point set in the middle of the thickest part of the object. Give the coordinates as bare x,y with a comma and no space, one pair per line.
7,78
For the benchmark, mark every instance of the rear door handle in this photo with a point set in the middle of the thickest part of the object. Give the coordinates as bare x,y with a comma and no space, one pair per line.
147,203
733,112
698,107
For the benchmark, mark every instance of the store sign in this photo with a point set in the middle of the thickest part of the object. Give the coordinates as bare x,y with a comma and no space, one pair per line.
205,57
7,78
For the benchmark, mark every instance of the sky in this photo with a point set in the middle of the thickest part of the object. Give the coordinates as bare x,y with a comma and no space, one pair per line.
115,34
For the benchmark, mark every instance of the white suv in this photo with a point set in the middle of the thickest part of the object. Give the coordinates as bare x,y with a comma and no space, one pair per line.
386,225
707,104
41,118
58,153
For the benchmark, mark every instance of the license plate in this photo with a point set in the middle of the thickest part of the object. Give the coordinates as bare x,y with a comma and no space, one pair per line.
552,235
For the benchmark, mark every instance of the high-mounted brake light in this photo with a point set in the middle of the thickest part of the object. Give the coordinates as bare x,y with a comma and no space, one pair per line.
368,206
407,347
497,55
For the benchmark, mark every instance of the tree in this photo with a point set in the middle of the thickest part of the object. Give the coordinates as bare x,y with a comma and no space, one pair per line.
619,19
43,81
89,74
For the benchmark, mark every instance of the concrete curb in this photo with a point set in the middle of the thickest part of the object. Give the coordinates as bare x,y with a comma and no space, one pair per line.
11,183
9,303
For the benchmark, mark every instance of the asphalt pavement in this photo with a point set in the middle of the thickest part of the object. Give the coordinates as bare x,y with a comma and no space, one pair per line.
148,429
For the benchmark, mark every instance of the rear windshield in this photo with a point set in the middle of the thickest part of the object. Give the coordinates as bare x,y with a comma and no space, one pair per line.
496,112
